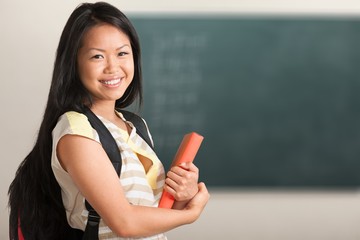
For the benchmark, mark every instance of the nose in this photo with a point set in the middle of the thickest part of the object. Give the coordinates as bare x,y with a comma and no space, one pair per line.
112,66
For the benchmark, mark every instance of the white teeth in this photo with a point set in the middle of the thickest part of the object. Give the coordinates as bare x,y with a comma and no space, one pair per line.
112,82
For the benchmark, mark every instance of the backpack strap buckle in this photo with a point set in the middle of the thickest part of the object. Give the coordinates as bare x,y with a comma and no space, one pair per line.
93,217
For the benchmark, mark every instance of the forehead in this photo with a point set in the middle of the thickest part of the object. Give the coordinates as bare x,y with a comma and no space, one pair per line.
104,35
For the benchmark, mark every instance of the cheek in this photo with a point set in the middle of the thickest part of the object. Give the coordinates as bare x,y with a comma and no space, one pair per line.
130,69
87,72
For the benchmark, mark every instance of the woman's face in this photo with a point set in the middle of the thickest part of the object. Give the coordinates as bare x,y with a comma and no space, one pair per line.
105,62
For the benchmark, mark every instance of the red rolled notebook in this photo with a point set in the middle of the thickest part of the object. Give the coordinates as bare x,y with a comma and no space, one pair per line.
185,153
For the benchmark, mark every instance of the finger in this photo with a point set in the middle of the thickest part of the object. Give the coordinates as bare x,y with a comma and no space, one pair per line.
202,187
169,190
183,172
203,191
171,183
185,179
174,175
189,166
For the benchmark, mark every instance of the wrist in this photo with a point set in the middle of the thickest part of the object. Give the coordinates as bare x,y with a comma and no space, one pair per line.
193,212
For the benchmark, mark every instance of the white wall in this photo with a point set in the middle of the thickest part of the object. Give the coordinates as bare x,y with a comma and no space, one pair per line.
276,215
29,35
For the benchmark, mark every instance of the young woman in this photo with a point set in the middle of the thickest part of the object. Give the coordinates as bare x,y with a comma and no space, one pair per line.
97,66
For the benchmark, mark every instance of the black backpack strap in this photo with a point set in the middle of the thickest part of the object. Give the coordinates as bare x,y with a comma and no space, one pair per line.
92,225
139,124
106,139
112,150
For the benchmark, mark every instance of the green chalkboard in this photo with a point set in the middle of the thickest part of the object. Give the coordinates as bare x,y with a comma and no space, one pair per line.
277,100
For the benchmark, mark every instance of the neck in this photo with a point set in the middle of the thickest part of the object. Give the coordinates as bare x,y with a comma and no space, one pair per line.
106,109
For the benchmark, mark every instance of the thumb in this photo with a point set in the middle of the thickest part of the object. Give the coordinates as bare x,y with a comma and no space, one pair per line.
202,187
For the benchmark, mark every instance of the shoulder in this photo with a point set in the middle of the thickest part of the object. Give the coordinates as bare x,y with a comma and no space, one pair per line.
74,123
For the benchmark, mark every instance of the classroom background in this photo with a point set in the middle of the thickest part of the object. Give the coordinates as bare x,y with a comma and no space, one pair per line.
271,84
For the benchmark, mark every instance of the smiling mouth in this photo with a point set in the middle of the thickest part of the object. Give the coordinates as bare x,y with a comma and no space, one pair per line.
111,82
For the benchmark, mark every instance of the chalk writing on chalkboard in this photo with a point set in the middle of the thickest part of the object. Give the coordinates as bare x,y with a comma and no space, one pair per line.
174,65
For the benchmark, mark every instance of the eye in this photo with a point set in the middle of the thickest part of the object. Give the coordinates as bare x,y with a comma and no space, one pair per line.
97,56
121,54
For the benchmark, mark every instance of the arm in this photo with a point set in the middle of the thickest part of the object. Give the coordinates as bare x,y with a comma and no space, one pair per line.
91,170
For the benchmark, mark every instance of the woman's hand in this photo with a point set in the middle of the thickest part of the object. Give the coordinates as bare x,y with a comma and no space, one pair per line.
182,182
199,201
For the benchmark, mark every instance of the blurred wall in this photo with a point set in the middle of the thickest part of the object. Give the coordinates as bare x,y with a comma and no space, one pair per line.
29,35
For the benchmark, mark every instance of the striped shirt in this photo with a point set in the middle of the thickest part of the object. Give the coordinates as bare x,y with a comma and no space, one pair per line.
140,187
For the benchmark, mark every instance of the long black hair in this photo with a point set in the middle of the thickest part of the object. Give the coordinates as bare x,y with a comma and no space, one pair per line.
34,195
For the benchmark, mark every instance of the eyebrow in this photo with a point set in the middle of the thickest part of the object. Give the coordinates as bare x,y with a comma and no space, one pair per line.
102,50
